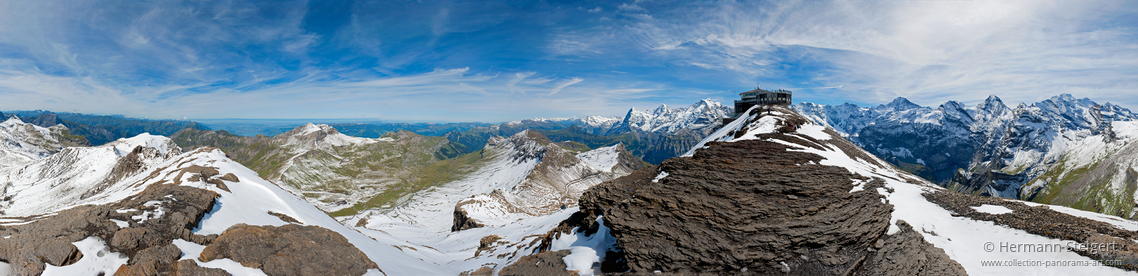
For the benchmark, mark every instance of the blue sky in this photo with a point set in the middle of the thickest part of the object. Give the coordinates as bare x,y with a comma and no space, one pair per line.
498,61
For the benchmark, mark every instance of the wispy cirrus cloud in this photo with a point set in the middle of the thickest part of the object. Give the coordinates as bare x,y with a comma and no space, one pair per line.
567,83
929,51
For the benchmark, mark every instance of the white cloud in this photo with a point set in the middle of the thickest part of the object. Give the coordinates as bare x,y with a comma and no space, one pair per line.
563,85
631,7
929,51
518,77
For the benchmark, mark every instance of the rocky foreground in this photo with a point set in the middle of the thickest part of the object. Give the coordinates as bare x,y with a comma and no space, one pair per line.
144,228
799,217
764,199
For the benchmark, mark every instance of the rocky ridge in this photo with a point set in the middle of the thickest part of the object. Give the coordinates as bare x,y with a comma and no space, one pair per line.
555,181
27,142
822,206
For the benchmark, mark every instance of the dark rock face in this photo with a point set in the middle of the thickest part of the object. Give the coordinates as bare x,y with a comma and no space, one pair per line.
544,263
907,253
164,254
284,217
230,177
753,207
128,238
626,161
481,271
289,250
58,252
989,179
462,221
46,119
713,214
147,243
189,267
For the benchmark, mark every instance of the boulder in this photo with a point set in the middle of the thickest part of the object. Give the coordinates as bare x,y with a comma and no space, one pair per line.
289,250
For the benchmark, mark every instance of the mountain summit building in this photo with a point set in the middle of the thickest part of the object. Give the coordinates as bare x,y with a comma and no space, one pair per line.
761,96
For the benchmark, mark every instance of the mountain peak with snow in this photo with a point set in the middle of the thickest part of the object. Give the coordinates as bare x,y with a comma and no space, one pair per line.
1014,144
698,116
990,101
22,142
311,136
310,128
900,104
14,120
162,144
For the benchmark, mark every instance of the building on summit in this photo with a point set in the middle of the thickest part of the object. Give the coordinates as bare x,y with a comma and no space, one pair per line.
761,96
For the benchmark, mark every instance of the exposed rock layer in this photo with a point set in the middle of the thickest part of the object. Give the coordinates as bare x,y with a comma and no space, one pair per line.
544,263
146,239
753,207
289,250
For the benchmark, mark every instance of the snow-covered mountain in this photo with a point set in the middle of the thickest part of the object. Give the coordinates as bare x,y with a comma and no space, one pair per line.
987,149
83,175
652,135
24,142
1098,173
698,116
521,176
147,186
128,200
703,114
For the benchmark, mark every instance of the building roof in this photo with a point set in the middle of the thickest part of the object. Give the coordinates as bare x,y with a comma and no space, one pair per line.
760,90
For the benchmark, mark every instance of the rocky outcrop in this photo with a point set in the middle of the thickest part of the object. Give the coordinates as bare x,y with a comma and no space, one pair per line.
555,181
626,162
907,253
462,220
189,267
289,250
544,263
46,119
146,239
754,207
705,217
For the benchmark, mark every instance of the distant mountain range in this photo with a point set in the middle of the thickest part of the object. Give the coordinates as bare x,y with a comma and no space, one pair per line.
987,149
101,129
653,136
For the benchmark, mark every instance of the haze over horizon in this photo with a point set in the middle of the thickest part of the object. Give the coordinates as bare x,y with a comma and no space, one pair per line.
480,61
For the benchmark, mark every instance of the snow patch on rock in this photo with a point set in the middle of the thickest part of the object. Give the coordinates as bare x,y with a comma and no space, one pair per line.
992,209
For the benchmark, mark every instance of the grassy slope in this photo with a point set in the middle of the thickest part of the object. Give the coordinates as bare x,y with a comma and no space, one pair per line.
1085,188
436,173
410,164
